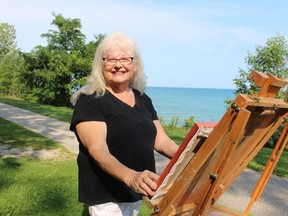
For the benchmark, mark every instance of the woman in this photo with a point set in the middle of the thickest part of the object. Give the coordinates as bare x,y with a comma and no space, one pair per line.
117,129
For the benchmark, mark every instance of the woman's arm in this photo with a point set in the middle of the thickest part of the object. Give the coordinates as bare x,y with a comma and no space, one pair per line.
93,136
163,143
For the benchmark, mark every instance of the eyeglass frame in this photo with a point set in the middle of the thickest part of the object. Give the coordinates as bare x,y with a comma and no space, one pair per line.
119,59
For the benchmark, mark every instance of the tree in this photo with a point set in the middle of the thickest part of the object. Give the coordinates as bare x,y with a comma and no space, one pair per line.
79,78
10,60
10,67
53,72
271,59
67,36
7,39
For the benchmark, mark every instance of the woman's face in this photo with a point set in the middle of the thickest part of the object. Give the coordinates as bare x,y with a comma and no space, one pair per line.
118,67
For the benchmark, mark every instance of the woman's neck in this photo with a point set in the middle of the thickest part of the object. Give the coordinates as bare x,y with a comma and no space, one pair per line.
119,89
124,94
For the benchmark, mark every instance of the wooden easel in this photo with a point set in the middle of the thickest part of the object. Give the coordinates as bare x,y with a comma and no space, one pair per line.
241,133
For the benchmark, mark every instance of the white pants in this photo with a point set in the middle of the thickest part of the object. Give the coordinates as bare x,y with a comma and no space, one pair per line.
115,209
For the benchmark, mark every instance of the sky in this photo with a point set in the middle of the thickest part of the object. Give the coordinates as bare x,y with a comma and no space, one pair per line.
194,44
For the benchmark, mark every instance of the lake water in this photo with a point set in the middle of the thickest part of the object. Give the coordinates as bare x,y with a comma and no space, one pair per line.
206,105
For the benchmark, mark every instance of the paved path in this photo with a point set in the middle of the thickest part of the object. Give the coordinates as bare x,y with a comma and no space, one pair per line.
48,127
273,202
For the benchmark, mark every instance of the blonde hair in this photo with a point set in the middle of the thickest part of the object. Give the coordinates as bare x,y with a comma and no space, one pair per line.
96,81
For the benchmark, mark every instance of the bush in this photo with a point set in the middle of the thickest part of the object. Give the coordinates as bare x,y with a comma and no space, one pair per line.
174,122
189,122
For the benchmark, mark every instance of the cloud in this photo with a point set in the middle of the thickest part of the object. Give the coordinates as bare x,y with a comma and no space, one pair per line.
157,22
175,37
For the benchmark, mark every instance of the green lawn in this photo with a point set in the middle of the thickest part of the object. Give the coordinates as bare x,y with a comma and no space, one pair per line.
24,138
33,187
29,186
61,113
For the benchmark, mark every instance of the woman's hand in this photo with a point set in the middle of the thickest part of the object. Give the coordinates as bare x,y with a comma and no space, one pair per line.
143,182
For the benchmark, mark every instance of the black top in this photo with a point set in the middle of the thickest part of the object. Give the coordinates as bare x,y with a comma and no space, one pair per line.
130,138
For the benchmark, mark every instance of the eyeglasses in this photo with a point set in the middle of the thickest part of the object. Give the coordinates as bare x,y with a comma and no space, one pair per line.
123,61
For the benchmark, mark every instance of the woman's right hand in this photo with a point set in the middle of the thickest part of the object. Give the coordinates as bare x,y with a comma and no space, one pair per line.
143,182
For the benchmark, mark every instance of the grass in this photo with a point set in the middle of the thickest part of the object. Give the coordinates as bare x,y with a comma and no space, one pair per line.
259,162
38,187
31,187
24,138
177,134
61,113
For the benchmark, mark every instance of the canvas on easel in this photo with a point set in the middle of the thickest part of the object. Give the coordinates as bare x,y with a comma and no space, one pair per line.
220,157
190,145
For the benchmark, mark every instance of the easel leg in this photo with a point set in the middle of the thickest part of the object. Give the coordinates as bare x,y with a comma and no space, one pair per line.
271,164
228,149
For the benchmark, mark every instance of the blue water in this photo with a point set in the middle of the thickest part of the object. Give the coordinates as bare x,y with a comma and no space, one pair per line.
206,105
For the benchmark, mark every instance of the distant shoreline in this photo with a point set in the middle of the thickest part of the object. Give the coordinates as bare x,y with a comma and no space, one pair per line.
191,88
180,103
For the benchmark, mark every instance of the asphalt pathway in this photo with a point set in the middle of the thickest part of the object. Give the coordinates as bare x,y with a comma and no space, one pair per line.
48,127
273,202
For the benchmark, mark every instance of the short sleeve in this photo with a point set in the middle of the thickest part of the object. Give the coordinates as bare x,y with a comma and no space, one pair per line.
150,106
87,108
154,113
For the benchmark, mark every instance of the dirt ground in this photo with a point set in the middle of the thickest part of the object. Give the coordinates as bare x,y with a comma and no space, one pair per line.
7,151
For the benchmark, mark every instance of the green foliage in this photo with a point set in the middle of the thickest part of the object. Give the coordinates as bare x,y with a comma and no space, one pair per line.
67,36
174,121
7,39
48,74
10,67
228,102
11,61
271,58
46,77
53,72
189,122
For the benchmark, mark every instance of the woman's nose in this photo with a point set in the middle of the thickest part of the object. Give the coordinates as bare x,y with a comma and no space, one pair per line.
117,65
